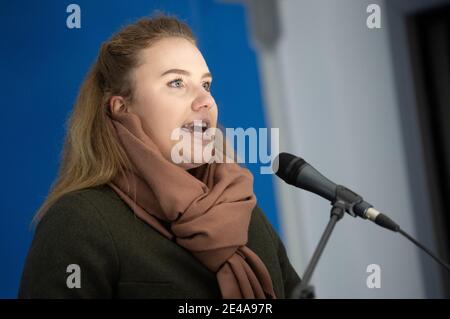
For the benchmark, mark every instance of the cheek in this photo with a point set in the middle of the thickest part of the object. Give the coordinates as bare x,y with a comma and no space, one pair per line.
159,125
159,114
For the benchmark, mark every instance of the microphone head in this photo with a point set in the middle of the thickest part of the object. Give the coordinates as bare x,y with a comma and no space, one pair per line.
286,166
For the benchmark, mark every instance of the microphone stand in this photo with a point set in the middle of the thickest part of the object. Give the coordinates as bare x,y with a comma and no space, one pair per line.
345,201
304,290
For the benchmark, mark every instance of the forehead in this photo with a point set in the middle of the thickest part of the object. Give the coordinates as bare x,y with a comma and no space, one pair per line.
169,53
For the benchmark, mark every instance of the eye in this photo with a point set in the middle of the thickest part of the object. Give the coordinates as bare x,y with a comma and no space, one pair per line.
177,83
207,86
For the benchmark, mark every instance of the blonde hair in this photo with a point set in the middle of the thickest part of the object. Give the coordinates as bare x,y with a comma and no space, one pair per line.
91,154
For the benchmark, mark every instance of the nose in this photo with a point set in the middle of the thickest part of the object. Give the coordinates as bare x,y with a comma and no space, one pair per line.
203,100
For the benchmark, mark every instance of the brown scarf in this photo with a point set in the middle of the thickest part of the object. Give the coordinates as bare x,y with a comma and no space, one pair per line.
208,212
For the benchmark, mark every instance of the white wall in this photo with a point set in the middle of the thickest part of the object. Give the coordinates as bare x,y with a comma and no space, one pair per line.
329,86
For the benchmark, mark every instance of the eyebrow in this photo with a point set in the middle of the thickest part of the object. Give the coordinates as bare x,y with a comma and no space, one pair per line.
184,72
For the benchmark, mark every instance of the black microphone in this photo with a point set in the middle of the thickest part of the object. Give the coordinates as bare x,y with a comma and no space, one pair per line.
297,172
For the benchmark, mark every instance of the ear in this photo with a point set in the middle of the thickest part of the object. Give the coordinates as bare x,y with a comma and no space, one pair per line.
117,104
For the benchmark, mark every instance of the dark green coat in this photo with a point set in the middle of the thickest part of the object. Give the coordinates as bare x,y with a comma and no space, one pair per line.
120,256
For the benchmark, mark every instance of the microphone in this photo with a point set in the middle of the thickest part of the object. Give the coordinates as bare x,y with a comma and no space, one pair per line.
297,172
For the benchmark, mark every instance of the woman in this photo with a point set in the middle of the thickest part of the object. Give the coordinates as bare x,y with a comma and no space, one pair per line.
124,219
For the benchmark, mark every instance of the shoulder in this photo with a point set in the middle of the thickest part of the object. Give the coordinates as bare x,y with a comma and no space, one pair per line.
72,232
82,207
262,230
77,222
77,216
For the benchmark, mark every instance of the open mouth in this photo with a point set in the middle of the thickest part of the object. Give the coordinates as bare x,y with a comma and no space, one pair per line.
196,126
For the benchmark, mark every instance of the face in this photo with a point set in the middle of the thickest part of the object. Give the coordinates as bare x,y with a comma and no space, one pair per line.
172,91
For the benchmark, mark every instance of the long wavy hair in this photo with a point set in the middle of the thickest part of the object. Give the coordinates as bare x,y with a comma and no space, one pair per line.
91,154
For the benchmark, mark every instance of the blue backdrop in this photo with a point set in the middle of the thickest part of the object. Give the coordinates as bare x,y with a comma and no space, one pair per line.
43,64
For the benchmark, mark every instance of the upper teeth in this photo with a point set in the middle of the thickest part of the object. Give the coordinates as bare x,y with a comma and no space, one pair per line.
196,123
